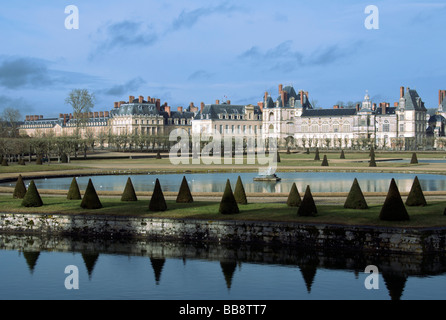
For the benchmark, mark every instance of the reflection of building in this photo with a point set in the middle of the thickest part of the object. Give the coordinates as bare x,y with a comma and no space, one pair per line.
292,119
137,116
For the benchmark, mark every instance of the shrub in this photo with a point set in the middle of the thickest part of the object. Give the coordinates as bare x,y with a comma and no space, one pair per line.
294,197
184,194
21,162
129,193
91,199
158,155
316,156
20,188
39,160
355,198
414,159
4,162
416,196
239,192
157,202
372,162
325,161
342,155
32,197
74,192
64,158
393,208
228,204
307,207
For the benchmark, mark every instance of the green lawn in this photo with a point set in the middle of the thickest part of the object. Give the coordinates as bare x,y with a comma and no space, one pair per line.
429,216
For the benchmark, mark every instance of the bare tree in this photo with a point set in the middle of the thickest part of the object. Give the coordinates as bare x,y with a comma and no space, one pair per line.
9,120
82,101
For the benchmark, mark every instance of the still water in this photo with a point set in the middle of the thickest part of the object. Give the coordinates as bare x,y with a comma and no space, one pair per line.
215,182
34,268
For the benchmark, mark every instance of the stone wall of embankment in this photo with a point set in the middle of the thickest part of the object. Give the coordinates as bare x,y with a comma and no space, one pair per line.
383,239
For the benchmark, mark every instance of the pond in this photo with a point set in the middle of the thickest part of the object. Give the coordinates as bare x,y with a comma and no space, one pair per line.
215,182
35,268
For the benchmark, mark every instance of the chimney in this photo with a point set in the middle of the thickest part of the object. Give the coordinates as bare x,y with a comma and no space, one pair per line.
260,104
131,98
106,114
357,106
228,102
401,92
116,104
96,114
384,108
217,101
65,119
201,107
60,115
167,109
180,109
443,95
283,94
192,108
41,117
141,99
301,97
149,99
158,104
374,107
266,96
280,88
336,106
26,118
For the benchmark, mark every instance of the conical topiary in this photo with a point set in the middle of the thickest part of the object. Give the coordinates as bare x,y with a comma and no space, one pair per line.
157,202
184,194
158,155
316,156
325,161
64,158
307,207
355,198
91,199
38,160
393,208
129,193
228,204
372,152
294,197
239,192
414,159
20,188
372,162
342,155
4,162
21,162
32,197
74,192
416,196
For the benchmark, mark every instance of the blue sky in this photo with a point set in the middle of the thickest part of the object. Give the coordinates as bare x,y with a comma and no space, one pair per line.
201,51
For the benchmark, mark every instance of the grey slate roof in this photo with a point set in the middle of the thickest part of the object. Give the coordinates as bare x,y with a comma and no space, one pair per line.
135,109
390,110
328,112
211,111
413,100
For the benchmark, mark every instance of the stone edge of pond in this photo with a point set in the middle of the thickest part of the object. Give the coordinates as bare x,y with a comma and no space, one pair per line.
413,240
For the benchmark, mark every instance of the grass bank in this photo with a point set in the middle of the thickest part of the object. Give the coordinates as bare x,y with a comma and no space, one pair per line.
429,216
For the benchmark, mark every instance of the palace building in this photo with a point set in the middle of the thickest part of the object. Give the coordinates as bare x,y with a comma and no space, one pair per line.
290,118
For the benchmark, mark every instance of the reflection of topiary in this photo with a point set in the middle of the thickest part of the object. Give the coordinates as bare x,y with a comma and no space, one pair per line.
316,156
228,205
157,202
158,155
277,157
416,196
20,188
342,155
307,207
414,159
91,199
325,161
184,194
73,192
393,208
129,193
294,197
239,192
355,198
32,197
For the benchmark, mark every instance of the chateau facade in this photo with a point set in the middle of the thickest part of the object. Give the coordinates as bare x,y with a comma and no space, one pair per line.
290,118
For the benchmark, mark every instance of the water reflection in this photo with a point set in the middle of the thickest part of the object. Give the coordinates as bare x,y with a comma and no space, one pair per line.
215,182
245,272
